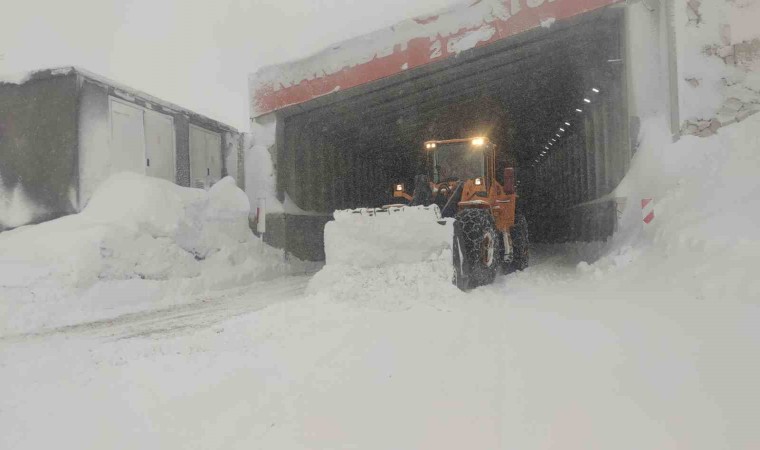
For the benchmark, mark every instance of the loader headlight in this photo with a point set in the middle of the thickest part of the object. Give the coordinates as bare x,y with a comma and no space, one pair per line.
478,181
479,141
429,145
400,187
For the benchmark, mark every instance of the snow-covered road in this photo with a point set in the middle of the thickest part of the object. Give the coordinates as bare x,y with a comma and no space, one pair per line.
649,340
183,317
540,360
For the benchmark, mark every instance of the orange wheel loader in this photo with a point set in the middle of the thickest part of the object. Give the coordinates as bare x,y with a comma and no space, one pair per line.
488,234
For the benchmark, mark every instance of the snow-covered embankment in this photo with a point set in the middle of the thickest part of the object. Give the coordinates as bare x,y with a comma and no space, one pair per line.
140,243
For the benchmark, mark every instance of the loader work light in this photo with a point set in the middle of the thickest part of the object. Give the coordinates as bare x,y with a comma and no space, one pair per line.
479,141
399,188
478,181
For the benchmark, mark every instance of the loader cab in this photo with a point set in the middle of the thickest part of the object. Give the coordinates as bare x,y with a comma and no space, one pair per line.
461,159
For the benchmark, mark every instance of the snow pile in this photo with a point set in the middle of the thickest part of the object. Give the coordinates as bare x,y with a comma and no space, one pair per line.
15,78
170,239
705,237
390,287
388,257
260,183
380,237
706,233
16,208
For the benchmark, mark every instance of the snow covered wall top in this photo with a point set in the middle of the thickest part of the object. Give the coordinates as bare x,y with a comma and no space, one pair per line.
409,44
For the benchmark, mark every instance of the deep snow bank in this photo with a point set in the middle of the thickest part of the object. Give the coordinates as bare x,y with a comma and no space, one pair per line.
138,237
380,237
706,234
701,247
402,255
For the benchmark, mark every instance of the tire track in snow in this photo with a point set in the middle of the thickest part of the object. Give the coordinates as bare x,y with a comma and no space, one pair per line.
182,318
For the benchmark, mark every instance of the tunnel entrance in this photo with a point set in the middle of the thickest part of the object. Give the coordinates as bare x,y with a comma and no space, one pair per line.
554,101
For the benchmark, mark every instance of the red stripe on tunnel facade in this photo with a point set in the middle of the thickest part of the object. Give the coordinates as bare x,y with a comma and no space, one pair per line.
525,15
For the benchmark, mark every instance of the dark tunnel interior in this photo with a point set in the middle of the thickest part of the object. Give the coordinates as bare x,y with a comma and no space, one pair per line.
346,150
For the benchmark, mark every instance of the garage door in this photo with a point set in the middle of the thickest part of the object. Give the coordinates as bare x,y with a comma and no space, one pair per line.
159,143
205,156
142,141
127,138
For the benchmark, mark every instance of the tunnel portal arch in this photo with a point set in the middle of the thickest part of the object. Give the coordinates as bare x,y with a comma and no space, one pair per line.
346,149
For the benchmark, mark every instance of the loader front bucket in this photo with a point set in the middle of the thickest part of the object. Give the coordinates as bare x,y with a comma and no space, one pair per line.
394,234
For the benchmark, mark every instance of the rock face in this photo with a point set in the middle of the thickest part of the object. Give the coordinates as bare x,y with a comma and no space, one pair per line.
721,73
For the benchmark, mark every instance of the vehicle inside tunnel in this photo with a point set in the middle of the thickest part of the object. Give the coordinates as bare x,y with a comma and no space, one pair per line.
553,100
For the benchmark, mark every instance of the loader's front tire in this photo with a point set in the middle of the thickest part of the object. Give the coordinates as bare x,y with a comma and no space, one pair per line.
476,249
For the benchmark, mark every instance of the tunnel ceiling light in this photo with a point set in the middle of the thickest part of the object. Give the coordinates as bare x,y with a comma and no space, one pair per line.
579,110
567,123
554,140
587,100
546,147
558,135
596,91
562,129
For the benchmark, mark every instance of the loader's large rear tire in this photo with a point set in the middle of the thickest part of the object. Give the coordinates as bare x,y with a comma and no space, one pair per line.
520,244
476,249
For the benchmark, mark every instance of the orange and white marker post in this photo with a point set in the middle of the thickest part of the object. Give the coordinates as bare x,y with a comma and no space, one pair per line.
261,216
647,210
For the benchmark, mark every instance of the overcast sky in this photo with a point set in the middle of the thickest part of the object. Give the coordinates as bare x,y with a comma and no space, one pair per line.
194,53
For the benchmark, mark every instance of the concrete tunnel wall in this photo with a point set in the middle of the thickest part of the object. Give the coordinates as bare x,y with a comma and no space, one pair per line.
345,150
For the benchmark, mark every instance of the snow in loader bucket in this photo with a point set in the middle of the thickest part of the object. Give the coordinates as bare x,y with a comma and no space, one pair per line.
377,237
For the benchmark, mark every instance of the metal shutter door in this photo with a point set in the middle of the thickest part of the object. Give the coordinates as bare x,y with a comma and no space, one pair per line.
205,157
160,150
127,139
214,156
